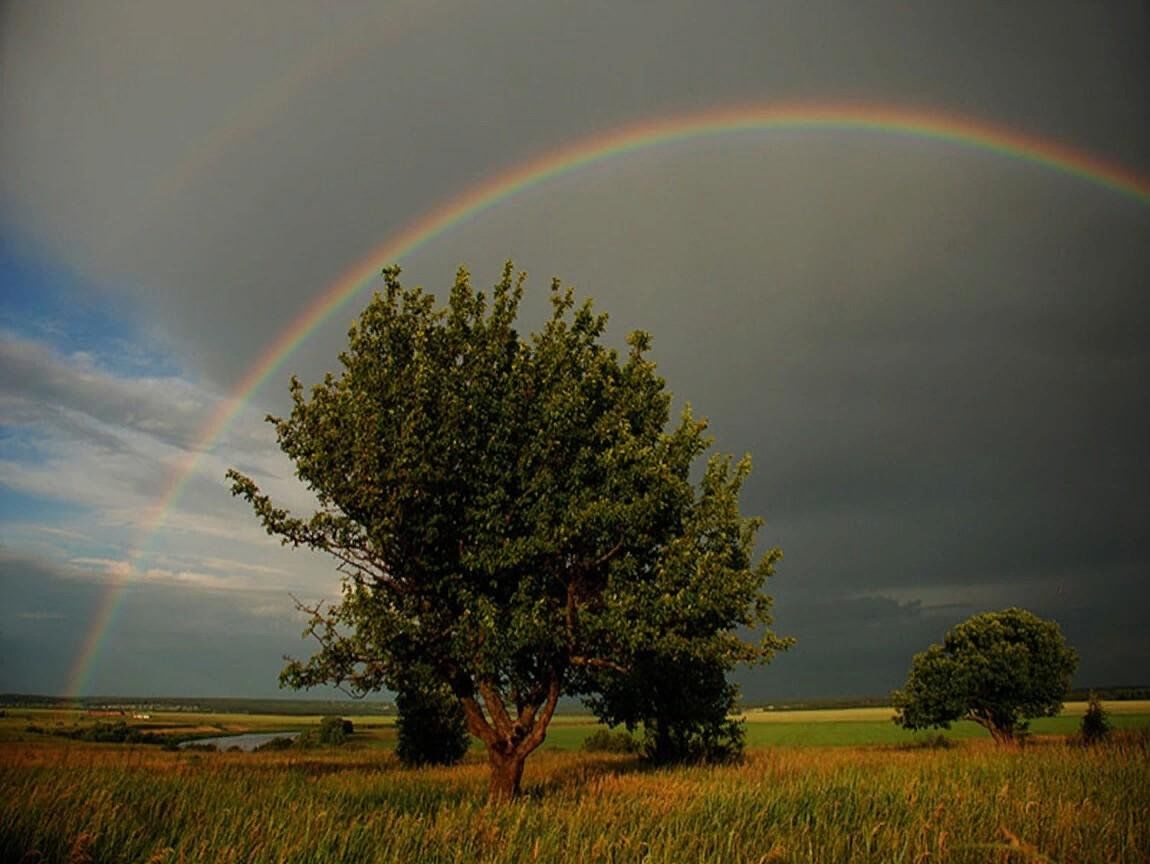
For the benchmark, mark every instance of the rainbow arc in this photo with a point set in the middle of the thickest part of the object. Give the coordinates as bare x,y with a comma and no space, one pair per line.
947,129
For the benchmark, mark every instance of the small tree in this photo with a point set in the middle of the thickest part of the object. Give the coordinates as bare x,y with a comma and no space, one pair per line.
331,732
512,514
1095,722
334,730
683,704
430,728
997,669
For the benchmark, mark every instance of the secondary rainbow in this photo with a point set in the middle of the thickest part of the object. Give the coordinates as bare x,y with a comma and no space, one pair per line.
930,125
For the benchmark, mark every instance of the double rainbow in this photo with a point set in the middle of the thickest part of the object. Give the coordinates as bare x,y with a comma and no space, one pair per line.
945,128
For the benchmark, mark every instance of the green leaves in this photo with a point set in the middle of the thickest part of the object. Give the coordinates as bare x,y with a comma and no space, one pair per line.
514,515
997,668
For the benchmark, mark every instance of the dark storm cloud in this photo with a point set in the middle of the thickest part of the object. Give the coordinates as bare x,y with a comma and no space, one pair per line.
936,354
879,634
223,173
41,625
952,395
1098,615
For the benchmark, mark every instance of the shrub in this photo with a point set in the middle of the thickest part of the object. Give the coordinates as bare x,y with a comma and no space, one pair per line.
279,743
333,731
606,741
711,740
1095,726
931,742
112,733
430,728
683,704
306,739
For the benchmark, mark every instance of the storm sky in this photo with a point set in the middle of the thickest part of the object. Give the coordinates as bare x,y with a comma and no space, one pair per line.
936,354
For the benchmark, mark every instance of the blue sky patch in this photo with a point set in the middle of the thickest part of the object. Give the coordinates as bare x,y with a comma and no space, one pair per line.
19,506
51,305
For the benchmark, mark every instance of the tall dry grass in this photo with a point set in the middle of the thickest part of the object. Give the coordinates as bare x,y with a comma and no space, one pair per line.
970,803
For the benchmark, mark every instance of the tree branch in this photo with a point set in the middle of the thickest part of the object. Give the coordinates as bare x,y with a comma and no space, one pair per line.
570,615
539,726
606,556
495,707
525,722
477,724
598,663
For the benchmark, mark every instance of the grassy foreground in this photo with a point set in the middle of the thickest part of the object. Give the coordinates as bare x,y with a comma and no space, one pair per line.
1052,801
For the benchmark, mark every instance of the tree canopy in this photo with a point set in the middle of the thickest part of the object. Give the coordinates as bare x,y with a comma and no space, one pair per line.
512,515
997,669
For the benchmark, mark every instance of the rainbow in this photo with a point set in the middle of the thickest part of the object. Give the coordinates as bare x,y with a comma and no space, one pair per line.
950,129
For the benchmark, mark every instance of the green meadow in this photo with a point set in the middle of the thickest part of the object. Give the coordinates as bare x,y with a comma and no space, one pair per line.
816,786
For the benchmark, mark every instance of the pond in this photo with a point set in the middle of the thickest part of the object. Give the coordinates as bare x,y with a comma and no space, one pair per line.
248,741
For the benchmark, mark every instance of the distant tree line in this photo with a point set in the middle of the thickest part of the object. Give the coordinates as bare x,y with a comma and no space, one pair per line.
222,705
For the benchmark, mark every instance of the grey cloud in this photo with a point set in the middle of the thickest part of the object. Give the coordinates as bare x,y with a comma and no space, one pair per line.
119,452
38,652
168,409
166,639
69,401
879,634
280,185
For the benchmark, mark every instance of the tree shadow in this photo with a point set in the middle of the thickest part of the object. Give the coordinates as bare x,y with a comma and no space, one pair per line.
581,778
578,778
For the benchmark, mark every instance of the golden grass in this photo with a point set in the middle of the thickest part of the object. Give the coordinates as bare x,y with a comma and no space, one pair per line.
819,715
971,803
1131,706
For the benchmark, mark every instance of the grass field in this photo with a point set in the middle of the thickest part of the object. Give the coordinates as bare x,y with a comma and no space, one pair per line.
828,727
869,726
842,792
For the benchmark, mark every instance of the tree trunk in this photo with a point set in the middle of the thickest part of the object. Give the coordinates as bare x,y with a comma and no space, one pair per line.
662,749
506,775
1001,734
508,742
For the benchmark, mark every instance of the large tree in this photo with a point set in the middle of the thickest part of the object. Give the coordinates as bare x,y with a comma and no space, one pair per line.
511,513
997,669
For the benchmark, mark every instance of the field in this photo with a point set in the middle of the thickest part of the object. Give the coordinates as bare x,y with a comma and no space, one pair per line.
816,787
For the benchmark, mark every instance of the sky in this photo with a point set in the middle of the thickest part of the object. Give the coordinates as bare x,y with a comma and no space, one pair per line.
936,353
